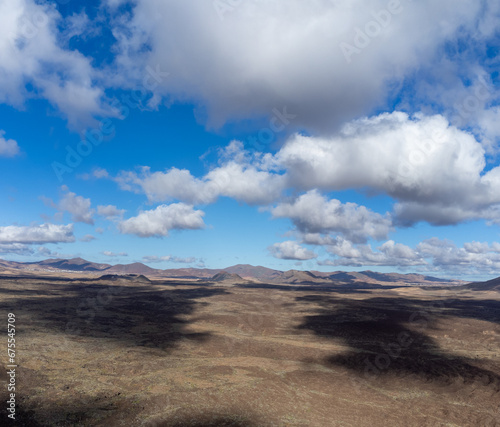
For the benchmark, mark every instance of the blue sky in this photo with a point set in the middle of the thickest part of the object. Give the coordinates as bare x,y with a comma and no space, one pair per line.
322,135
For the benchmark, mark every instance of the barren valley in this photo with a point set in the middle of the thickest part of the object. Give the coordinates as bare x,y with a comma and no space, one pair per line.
132,350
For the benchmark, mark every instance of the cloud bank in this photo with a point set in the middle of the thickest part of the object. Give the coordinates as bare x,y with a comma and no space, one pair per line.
159,221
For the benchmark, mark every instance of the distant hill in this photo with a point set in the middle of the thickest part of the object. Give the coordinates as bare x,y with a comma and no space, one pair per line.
253,272
189,273
297,276
344,277
406,278
74,264
225,276
136,278
490,285
134,268
240,272
374,277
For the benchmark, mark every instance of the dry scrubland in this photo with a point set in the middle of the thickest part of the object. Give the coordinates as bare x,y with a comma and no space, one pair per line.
135,353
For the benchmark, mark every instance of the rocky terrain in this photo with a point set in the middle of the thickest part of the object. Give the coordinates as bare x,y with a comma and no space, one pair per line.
144,351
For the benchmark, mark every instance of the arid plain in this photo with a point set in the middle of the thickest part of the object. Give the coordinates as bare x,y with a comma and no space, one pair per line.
128,350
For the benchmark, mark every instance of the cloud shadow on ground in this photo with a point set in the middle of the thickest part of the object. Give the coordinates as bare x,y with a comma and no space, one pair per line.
391,336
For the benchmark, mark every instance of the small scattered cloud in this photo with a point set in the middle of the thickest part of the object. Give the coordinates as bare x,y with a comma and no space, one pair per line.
37,234
158,222
291,250
77,206
87,238
29,250
312,213
97,173
46,252
16,248
239,177
8,147
114,254
431,255
389,254
473,257
110,211
32,54
100,173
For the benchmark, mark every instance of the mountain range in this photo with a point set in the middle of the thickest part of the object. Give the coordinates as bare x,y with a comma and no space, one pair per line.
245,271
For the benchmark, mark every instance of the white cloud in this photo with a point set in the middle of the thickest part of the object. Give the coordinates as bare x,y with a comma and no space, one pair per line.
31,53
8,147
291,250
262,55
348,254
28,250
398,251
240,177
481,247
171,184
429,256
246,184
252,59
435,171
389,152
77,25
37,234
389,253
16,248
158,222
46,252
472,258
487,122
98,173
87,238
113,254
77,206
169,258
312,213
317,239
446,253
110,211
